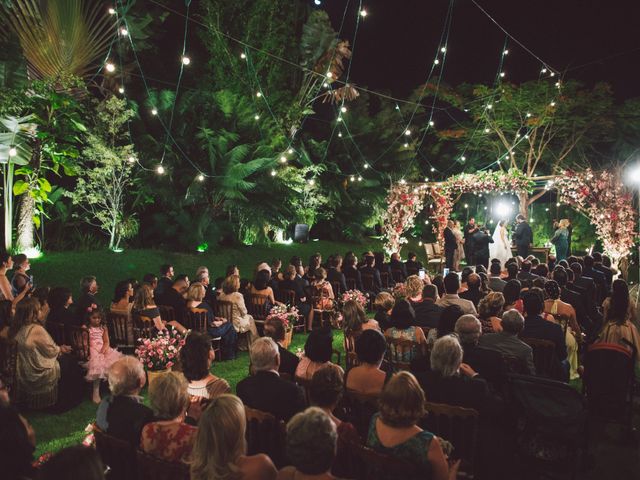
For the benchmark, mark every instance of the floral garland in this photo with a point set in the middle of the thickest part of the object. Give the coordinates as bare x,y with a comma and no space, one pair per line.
404,202
603,198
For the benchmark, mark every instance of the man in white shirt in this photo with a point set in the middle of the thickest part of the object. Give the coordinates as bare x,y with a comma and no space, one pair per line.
451,287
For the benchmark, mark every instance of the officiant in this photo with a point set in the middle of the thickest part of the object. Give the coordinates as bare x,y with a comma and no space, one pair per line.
481,240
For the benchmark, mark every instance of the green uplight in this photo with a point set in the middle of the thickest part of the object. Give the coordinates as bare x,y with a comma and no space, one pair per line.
117,250
33,252
203,247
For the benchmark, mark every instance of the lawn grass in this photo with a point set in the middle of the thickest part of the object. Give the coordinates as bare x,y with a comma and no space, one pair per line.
54,432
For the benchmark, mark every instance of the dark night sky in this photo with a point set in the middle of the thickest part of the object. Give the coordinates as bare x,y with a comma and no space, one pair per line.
398,39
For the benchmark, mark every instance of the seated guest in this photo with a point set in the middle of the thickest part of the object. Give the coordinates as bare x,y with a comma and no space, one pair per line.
606,271
535,326
489,312
276,274
122,414
495,282
20,279
6,292
383,305
474,294
325,391
144,305
369,269
315,262
451,286
242,320
398,269
452,382
367,378
174,297
555,309
427,311
122,298
151,280
488,363
216,326
17,442
619,316
512,271
335,275
412,264
166,279
260,286
317,353
196,358
413,289
484,284
231,270
210,294
265,390
351,272
274,328
5,318
525,276
355,319
73,462
59,301
168,437
38,370
87,300
511,295
312,445
403,321
220,449
542,271
447,323
507,342
394,430
464,276
380,264
438,281
322,293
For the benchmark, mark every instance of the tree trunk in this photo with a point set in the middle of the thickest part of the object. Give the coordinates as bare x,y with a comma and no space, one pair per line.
7,198
25,222
524,204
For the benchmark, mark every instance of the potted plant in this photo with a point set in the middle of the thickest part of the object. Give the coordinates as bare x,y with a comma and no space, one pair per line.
288,316
158,354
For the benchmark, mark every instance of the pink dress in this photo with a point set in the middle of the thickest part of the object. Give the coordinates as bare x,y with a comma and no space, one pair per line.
99,362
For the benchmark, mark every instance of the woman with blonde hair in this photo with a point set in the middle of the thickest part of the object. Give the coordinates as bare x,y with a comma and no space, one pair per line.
220,451
242,321
355,319
145,306
561,240
394,429
490,310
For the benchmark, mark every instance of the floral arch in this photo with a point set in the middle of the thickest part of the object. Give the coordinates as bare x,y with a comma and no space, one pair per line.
599,195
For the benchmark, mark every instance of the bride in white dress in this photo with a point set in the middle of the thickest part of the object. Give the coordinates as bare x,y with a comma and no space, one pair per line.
500,248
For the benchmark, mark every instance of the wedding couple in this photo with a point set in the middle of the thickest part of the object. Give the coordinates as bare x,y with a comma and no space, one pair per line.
522,238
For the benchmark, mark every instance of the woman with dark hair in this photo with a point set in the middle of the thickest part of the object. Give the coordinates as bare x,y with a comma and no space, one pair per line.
368,378
619,315
196,357
6,291
42,295
20,278
403,319
350,270
512,298
260,286
317,353
60,300
557,311
355,319
315,262
122,296
438,281
231,270
446,323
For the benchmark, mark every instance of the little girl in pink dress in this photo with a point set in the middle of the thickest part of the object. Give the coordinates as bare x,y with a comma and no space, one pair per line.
101,356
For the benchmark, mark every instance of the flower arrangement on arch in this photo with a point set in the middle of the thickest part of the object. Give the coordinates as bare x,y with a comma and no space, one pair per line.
160,353
287,315
355,295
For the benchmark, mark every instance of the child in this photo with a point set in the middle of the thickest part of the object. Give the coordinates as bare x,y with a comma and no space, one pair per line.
101,356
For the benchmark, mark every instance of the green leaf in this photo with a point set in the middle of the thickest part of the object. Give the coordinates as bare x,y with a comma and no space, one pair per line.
20,187
78,126
44,184
36,221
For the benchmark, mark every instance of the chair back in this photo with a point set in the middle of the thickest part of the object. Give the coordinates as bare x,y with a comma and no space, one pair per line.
544,358
224,309
57,332
351,283
367,464
142,326
265,434
120,328
288,297
412,271
513,364
79,341
9,364
167,313
259,306
400,352
359,408
197,319
385,280
367,282
337,288
116,454
154,468
350,349
459,426
397,275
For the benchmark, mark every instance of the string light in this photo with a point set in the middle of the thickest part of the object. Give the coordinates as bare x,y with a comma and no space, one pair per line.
186,60
339,119
552,74
131,159
290,151
329,75
160,170
406,145
506,52
363,13
466,205
243,56
487,130
426,222
558,204
431,123
256,117
502,74
124,32
403,181
258,94
343,109
544,70
312,182
463,158
359,179
352,178
121,90
112,11
426,179
325,85
13,151
200,178
340,134
273,173
283,159
528,115
443,49
154,111
407,132
436,61
553,104
317,2
110,67
489,106
365,166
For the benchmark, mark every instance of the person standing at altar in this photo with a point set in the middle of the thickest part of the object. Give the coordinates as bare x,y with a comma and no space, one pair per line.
460,252
481,240
450,244
469,230
560,240
523,236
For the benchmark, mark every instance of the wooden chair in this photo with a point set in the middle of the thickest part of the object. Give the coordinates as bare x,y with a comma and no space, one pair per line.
367,282
544,357
154,468
385,280
79,342
318,297
120,328
57,332
119,455
434,256
401,351
459,426
167,313
351,283
337,289
514,364
224,309
142,326
197,319
259,307
397,275
265,434
359,409
8,365
350,350
288,297
367,464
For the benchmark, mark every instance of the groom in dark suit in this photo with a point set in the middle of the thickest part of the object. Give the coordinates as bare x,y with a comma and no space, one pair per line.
450,245
523,236
481,240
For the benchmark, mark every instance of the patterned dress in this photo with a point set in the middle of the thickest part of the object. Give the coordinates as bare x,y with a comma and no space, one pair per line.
99,363
406,334
172,442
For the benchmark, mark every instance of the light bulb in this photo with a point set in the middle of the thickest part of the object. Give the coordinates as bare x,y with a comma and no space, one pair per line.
121,90
426,179
273,173
397,107
352,178
485,208
403,181
506,52
406,145
124,32
557,204
363,13
186,60
343,109
256,117
433,169
466,205
112,11
502,74
426,222
110,67
325,85
552,74
13,151
160,169
312,182
365,166
544,70
329,75
489,106
431,123
283,159
553,104
443,49
317,2
486,130
290,151
546,209
359,179
131,159
558,84
526,136
436,61
407,132
243,56
154,111
463,158
258,94
528,115
339,119
340,134
200,178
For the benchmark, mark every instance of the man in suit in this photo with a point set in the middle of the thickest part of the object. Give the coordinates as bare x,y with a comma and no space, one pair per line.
369,269
525,276
537,327
488,363
598,278
273,328
122,414
473,292
174,297
587,286
165,281
265,390
398,269
523,236
481,240
496,283
450,245
606,271
451,297
427,312
469,230
507,342
412,265
335,275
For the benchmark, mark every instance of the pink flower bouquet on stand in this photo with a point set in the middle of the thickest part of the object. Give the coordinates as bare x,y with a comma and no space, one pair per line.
356,296
289,317
160,353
